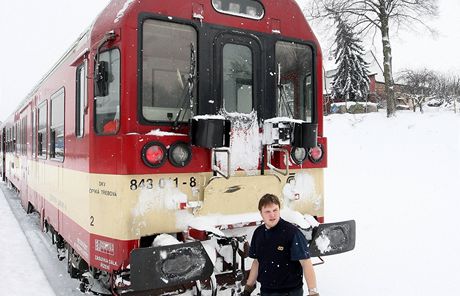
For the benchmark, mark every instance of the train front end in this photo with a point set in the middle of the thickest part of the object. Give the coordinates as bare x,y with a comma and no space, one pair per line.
201,107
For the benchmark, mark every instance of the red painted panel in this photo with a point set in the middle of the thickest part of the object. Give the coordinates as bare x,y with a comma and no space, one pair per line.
99,251
110,254
122,155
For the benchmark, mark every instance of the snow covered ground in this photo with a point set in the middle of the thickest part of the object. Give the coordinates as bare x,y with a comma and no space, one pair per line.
398,178
20,271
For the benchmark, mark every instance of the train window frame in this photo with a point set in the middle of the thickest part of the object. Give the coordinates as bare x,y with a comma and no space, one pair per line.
56,126
7,139
42,148
34,131
25,134
306,85
158,111
15,139
256,47
19,137
81,98
251,11
10,132
109,125
23,144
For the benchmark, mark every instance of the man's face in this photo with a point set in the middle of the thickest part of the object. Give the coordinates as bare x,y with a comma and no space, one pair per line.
270,214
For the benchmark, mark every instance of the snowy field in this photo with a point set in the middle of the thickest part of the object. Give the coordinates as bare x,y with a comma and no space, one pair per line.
398,178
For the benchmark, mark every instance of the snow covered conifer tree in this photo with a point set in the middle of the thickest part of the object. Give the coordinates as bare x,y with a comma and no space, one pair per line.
351,82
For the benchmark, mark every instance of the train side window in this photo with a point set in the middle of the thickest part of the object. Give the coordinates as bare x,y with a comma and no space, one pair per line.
41,132
8,140
57,125
12,139
11,150
20,135
107,108
34,132
81,99
15,139
24,136
165,69
18,138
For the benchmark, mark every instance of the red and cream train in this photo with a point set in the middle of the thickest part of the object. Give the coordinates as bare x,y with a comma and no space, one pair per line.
170,117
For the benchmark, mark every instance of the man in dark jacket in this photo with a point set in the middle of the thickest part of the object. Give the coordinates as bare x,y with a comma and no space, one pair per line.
280,253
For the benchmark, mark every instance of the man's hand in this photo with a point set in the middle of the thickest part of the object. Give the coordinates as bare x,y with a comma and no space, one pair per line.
313,292
248,290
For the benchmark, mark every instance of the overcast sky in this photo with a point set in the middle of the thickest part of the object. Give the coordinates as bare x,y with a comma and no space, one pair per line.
415,48
36,33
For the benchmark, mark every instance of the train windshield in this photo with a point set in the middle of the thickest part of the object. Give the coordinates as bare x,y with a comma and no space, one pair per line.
295,88
167,60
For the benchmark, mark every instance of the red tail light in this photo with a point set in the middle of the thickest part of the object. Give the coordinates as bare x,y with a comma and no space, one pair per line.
154,154
315,154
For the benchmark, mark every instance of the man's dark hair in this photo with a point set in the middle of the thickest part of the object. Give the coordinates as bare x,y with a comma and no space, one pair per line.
268,199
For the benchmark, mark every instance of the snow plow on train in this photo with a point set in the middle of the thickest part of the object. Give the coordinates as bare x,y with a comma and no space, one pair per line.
170,266
146,148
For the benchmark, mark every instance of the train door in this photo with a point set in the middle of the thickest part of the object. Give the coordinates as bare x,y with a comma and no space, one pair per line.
22,154
238,64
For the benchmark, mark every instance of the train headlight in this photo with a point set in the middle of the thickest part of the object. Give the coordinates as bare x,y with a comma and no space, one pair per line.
180,154
315,154
154,154
298,154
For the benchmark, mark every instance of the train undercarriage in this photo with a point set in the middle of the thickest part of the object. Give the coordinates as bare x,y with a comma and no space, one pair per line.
172,264
99,282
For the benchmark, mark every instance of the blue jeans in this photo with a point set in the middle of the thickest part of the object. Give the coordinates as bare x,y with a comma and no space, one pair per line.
296,292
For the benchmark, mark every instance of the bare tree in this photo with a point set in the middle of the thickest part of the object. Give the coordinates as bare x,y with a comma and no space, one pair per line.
455,90
419,85
378,15
448,89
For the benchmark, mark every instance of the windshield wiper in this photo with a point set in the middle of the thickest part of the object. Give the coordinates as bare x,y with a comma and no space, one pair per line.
188,91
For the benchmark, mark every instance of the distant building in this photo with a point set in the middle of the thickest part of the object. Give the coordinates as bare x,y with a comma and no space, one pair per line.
376,80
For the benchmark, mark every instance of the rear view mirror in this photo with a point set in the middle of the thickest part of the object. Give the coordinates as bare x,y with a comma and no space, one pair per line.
101,79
